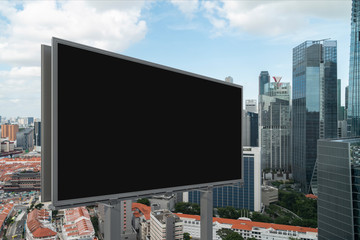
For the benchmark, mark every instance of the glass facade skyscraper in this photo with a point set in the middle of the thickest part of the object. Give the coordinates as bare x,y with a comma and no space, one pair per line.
353,110
275,127
339,189
264,78
247,196
314,104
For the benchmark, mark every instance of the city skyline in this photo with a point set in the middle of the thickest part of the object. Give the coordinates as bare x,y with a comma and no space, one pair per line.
216,39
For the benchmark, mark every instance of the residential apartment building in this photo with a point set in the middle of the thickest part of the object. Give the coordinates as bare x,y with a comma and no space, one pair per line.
9,131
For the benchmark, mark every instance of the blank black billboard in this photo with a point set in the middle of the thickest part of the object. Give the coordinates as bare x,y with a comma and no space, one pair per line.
126,126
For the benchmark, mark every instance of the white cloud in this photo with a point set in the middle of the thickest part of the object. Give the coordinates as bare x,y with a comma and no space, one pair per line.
113,28
25,25
273,18
20,91
188,7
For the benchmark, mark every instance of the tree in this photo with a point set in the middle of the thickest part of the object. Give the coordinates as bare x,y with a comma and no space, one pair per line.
144,201
187,208
228,234
39,206
187,236
228,212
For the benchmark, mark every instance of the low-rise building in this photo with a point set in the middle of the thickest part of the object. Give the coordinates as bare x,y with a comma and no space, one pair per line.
77,224
6,211
248,228
141,220
38,225
165,225
23,181
269,195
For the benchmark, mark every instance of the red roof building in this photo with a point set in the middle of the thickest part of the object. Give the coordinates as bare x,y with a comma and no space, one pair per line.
38,225
77,224
248,228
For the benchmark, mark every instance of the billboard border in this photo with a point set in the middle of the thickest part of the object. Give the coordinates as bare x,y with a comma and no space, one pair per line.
60,204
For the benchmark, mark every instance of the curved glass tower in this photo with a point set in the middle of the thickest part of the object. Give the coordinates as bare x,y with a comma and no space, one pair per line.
354,74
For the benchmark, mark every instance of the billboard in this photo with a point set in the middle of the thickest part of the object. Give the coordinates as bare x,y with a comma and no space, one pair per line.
123,128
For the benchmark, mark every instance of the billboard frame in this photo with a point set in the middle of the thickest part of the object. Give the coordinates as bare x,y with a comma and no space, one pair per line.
60,204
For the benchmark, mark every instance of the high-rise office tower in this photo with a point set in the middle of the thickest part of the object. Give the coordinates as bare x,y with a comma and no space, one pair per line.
247,196
340,109
37,133
275,127
353,111
338,189
250,129
250,105
264,78
314,104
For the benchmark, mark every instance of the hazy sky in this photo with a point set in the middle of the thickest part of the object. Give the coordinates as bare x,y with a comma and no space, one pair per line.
212,38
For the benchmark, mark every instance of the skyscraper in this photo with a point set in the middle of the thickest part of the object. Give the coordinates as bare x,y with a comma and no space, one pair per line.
250,105
314,104
264,78
353,110
275,127
338,188
250,129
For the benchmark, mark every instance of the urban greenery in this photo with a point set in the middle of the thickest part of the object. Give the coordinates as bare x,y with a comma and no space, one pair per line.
293,208
230,212
187,208
144,201
187,236
228,234
303,207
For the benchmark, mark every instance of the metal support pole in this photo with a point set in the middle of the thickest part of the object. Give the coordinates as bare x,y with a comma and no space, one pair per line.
112,229
206,214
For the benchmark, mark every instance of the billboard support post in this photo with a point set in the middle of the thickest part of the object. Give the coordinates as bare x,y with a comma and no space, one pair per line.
112,223
206,213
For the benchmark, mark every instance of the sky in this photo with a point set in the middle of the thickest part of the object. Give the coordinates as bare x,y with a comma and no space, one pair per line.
217,39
